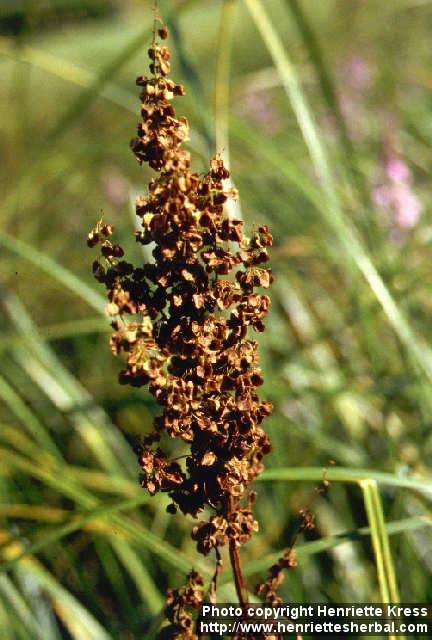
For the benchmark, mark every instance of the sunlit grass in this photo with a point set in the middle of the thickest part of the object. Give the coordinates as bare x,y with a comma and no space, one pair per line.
346,357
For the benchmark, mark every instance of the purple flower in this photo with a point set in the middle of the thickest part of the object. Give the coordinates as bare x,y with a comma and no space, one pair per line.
395,194
397,170
357,73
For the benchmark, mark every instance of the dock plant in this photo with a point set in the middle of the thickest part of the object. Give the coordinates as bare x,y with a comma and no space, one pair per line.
183,323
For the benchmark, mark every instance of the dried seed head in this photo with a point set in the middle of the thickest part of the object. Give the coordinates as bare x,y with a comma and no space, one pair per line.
183,325
275,577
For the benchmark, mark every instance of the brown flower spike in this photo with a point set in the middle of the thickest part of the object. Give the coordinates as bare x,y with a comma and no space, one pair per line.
182,324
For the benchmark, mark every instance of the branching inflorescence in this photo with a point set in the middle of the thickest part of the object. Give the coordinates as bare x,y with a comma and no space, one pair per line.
182,323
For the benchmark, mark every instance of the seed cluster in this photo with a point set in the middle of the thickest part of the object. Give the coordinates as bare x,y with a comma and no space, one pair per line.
182,324
178,603
275,577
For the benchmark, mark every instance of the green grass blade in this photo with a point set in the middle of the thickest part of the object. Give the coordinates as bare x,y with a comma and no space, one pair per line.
381,547
70,72
222,81
53,269
385,543
196,89
20,451
82,103
368,486
89,94
6,619
380,539
59,331
318,546
344,230
51,537
66,392
222,94
59,479
81,624
93,85
317,57
328,90
166,552
145,585
20,608
21,411
56,477
342,474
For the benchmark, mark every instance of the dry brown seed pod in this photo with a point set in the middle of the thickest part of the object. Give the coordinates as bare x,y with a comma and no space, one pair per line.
163,32
92,239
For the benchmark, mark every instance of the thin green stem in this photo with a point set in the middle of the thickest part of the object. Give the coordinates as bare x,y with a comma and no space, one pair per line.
383,560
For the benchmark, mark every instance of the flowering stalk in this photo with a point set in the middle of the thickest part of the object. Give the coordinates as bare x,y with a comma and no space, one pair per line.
182,323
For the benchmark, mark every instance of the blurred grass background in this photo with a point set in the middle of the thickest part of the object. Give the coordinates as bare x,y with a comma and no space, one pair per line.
325,112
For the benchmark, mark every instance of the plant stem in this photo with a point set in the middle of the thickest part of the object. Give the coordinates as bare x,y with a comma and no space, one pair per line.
239,579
